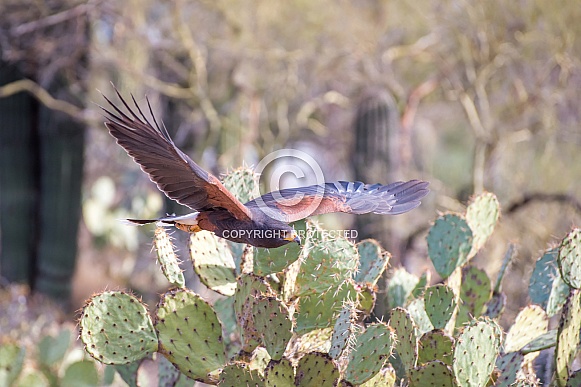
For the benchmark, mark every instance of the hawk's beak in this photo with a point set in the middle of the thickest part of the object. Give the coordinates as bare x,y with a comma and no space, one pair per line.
293,238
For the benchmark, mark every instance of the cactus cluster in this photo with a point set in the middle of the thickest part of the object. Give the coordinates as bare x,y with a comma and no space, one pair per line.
302,317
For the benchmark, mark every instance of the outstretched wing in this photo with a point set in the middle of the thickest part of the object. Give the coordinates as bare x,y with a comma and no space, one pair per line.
292,204
178,176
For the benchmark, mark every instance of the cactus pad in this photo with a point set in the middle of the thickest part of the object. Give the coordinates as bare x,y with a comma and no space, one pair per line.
128,372
11,361
546,287
273,323
440,302
269,261
279,374
449,243
482,215
384,378
243,183
320,310
475,354
434,373
239,374
318,340
399,288
436,345
343,330
418,312
316,369
372,262
190,335
167,258
329,263
249,287
372,349
116,328
509,365
544,341
569,259
530,323
406,345
213,262
475,291
574,380
568,336
495,306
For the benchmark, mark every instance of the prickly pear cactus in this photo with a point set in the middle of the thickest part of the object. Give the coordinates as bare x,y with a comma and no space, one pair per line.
418,312
372,262
11,361
482,215
329,263
312,315
166,256
436,345
530,323
569,259
213,262
343,331
440,302
243,183
190,335
433,373
317,369
248,289
544,341
116,328
239,374
400,287
574,380
475,354
372,349
406,345
384,378
273,324
279,373
568,337
509,365
449,243
475,291
546,287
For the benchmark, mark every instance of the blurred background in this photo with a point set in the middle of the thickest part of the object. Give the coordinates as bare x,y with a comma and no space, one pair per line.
468,95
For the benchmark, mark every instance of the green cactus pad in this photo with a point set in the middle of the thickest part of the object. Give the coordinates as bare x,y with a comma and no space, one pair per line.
574,380
167,374
51,350
436,345
418,312
449,243
400,287
440,302
128,372
546,287
495,306
224,308
569,259
243,183
509,365
568,336
482,215
238,375
423,282
328,264
259,360
317,369
317,311
343,330
213,262
530,323
475,354
31,378
80,373
116,328
366,299
269,261
373,261
11,361
544,341
372,349
279,374
475,292
318,340
190,335
249,287
406,345
273,323
434,373
167,258
384,378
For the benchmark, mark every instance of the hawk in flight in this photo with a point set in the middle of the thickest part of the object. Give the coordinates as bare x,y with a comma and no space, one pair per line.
262,222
